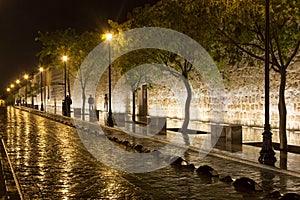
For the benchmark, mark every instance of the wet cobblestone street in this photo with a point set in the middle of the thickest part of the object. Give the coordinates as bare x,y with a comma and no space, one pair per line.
52,163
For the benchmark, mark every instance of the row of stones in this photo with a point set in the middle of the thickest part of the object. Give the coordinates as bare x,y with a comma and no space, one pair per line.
242,184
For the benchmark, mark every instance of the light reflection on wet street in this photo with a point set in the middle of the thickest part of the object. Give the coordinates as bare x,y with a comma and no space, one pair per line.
51,163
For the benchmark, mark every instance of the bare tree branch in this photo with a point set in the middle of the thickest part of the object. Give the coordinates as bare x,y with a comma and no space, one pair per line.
293,54
240,47
275,69
278,49
253,45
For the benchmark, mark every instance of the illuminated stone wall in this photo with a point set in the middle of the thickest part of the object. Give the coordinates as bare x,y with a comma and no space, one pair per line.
244,100
245,97
242,104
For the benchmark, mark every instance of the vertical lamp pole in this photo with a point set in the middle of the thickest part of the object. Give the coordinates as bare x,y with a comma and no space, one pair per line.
8,100
65,58
65,110
41,85
267,154
26,78
109,119
19,98
13,96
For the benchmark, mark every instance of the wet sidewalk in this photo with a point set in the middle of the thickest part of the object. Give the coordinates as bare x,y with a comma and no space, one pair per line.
286,163
240,162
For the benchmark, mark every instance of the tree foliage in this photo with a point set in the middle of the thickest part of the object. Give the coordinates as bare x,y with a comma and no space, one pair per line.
75,45
231,31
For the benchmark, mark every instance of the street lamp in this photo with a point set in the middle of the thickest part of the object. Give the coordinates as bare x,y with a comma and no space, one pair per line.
8,89
67,101
65,58
26,78
19,97
41,85
267,154
109,119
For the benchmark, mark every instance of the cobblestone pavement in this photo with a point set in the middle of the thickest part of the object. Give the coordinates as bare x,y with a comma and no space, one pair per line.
51,163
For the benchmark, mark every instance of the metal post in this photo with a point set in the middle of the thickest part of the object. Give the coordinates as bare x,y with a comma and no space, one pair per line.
64,106
26,93
42,106
65,79
109,119
267,154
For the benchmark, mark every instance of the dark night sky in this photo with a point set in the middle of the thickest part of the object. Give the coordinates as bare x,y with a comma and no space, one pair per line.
20,20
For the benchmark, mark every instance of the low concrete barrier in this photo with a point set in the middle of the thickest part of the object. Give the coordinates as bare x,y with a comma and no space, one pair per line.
231,133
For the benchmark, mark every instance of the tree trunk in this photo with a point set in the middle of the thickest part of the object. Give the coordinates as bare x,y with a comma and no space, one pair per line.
186,112
83,104
282,112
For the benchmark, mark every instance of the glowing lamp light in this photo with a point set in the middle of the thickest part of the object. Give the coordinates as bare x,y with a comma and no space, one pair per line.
8,89
108,36
26,76
12,85
41,69
17,81
65,58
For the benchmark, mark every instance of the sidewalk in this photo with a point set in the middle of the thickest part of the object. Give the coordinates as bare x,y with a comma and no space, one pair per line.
242,162
247,154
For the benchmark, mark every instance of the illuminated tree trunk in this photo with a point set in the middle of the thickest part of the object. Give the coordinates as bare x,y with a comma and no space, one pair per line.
83,104
186,121
282,112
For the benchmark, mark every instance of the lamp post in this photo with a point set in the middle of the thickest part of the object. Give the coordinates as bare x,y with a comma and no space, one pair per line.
19,97
65,58
109,119
12,86
41,85
267,154
8,99
26,78
65,105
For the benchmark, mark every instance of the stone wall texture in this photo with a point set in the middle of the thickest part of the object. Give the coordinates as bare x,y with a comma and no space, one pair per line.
242,101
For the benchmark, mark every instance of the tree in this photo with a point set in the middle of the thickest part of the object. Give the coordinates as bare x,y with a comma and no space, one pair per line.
135,78
166,58
232,31
76,46
241,28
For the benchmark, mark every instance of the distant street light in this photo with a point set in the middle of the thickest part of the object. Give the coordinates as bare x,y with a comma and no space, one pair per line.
41,85
67,101
19,97
267,154
8,89
65,59
109,119
26,82
12,86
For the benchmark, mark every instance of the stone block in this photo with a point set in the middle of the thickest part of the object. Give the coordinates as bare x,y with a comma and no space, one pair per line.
77,112
159,123
119,119
231,133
